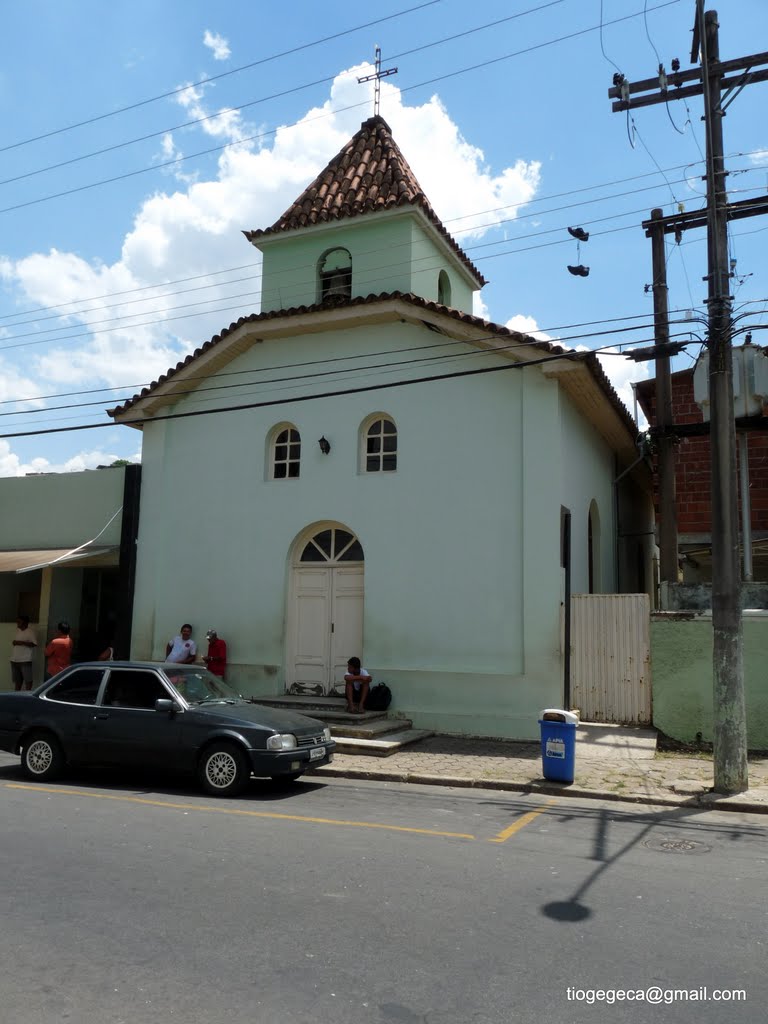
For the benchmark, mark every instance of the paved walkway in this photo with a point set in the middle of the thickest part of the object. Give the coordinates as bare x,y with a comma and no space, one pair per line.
667,778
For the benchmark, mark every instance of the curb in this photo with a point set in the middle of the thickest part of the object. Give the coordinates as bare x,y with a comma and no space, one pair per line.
707,801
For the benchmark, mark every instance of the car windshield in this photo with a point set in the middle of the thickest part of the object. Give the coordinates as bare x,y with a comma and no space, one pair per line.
198,686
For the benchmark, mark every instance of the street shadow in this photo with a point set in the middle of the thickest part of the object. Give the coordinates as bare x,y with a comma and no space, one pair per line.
687,819
146,783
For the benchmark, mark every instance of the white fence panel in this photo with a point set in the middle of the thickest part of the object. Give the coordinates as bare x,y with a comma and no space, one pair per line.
611,658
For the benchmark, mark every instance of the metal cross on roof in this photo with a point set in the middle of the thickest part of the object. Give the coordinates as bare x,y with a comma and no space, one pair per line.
377,77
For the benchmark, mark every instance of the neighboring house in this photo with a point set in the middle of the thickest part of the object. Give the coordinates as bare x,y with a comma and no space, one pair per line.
693,483
366,468
68,552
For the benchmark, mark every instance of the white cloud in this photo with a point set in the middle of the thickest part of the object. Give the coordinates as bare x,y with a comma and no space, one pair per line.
12,465
619,370
622,373
527,325
217,44
479,306
193,232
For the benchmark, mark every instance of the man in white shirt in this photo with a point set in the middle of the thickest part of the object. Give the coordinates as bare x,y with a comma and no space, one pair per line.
182,649
24,643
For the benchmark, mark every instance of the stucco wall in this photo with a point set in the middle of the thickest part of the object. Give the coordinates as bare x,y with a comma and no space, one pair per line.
681,658
391,252
587,475
60,510
462,573
381,260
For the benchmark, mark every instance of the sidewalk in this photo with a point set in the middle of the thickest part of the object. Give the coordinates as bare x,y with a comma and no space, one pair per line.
666,779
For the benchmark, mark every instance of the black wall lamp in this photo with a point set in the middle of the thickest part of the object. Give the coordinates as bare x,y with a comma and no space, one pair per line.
325,446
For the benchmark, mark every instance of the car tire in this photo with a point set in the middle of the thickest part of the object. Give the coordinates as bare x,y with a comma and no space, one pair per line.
224,769
42,757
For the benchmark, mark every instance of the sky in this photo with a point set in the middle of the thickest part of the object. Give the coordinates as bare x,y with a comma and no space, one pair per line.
141,139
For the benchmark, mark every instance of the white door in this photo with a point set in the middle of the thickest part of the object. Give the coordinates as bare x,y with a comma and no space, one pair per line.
325,614
346,621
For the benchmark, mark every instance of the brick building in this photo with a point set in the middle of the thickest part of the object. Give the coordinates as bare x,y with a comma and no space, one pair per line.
693,480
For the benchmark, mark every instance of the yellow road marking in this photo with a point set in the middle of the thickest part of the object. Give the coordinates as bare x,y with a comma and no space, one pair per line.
233,810
526,819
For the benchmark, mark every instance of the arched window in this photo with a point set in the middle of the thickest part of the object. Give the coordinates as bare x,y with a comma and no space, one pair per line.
335,274
443,289
332,545
379,445
593,549
285,457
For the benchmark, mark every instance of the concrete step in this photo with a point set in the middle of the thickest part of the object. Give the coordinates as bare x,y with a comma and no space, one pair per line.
362,729
390,743
373,733
331,710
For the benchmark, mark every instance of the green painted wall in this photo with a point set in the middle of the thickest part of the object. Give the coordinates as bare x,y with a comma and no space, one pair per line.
587,475
462,571
681,659
427,261
390,253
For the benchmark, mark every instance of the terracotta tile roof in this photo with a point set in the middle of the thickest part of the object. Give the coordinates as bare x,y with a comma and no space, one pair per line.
489,328
368,175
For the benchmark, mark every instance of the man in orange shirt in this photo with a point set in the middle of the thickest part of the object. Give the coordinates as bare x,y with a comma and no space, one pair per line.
59,651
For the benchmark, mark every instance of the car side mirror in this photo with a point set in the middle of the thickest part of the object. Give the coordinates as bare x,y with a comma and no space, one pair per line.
167,705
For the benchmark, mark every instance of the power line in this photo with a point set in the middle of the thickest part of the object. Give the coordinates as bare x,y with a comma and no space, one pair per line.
215,78
581,356
237,108
257,276
516,345
261,135
552,329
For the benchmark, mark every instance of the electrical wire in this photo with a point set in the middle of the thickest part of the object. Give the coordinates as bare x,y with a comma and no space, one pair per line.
265,134
515,345
579,356
215,78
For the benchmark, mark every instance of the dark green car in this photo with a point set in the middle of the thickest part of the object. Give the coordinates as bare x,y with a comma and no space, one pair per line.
178,718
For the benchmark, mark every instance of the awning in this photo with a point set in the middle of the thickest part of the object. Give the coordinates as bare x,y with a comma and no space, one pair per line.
42,558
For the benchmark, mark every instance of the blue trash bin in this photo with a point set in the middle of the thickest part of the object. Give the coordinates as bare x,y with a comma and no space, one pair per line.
558,744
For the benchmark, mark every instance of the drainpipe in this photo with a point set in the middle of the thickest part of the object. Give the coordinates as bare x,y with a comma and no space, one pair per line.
567,610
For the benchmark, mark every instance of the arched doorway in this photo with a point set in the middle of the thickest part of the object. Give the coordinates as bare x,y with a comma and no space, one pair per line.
325,610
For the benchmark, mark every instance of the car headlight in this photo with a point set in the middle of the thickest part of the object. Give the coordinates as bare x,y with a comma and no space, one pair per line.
285,741
326,734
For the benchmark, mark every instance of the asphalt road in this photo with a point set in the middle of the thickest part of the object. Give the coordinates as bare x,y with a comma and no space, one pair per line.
125,901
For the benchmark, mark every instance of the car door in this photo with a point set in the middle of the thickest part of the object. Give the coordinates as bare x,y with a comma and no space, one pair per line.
126,729
72,700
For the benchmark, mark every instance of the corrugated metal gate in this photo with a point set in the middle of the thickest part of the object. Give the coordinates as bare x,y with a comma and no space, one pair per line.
611,658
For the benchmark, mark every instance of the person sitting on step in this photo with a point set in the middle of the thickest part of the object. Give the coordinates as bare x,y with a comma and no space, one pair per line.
357,683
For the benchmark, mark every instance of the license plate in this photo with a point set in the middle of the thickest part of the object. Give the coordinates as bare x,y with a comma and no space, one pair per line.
316,752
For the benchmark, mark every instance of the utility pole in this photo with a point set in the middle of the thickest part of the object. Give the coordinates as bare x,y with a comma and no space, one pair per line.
730,726
668,501
718,85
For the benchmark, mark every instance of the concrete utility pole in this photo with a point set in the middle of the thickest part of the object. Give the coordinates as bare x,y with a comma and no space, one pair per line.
716,83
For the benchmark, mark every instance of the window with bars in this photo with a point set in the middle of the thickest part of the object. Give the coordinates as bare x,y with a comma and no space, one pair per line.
380,455
286,454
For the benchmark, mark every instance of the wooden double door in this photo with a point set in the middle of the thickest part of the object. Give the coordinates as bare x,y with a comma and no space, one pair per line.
325,612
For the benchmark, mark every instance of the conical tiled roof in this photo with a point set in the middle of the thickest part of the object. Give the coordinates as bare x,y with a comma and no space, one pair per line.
368,175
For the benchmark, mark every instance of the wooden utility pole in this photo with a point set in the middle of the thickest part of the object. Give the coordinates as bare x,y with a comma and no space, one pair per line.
668,498
719,84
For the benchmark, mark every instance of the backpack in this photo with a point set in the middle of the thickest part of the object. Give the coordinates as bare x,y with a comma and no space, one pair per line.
379,698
